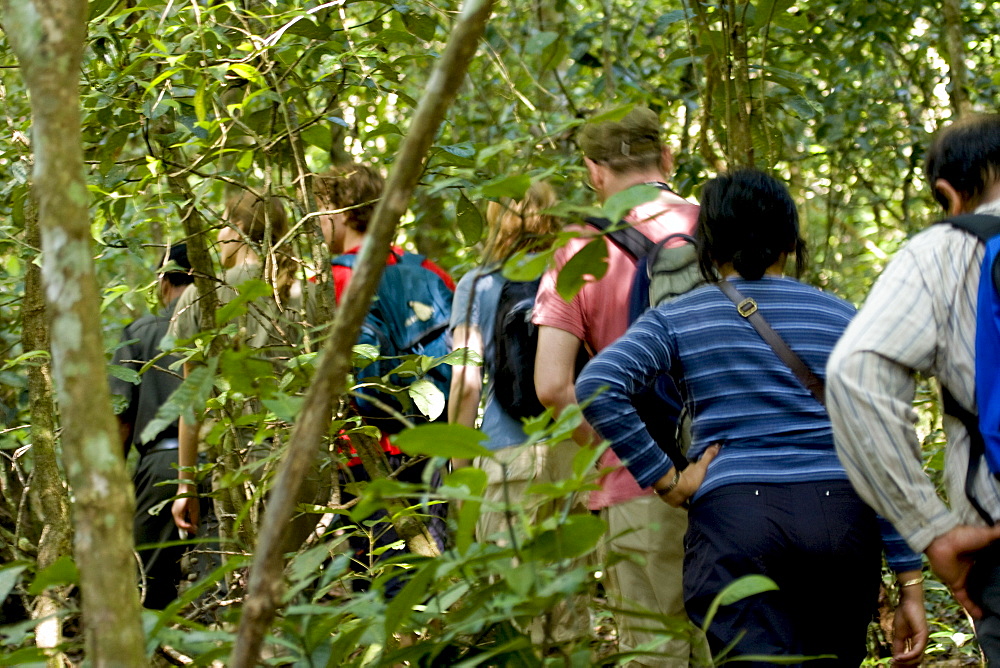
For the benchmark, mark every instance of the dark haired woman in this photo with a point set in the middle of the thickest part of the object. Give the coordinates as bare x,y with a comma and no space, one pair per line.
768,495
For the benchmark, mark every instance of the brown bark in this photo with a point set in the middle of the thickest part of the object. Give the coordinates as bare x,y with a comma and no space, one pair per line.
47,36
955,42
266,579
48,494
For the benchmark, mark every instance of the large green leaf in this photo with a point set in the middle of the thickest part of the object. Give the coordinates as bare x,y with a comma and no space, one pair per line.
247,291
470,221
589,263
737,590
576,536
186,400
513,186
442,440
624,201
427,397
60,572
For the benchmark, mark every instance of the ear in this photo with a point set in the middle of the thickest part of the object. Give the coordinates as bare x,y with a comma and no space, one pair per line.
956,203
667,161
596,174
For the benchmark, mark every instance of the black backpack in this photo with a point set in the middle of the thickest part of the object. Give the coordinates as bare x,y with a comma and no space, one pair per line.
515,340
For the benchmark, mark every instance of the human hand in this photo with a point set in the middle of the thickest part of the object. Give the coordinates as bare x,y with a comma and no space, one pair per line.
952,555
909,637
690,478
187,513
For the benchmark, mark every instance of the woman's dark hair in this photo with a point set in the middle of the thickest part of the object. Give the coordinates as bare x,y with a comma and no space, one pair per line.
748,218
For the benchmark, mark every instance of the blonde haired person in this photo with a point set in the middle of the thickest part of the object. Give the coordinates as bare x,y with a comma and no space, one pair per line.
248,250
514,225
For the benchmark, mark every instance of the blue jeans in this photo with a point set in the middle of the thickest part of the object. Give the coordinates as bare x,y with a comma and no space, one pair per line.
817,540
984,588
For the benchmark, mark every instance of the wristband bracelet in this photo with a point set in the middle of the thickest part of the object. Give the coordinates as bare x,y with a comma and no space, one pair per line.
911,583
673,484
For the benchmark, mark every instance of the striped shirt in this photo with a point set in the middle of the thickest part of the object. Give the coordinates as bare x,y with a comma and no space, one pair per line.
738,391
920,317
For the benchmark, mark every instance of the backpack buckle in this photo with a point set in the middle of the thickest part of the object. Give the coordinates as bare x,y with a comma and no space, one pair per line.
747,307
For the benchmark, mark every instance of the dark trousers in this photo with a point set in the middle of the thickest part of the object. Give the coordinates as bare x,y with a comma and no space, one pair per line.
366,548
818,541
161,565
984,588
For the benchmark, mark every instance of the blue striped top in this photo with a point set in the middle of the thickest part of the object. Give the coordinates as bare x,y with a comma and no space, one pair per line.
738,391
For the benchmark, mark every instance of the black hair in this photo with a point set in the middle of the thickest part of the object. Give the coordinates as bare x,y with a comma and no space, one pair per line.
748,218
178,256
966,154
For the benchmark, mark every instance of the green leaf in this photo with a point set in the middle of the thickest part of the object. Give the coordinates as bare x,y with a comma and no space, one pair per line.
442,440
248,72
514,186
124,373
61,572
539,41
318,136
574,537
9,575
624,201
473,480
421,25
526,266
767,10
427,397
737,590
191,394
589,263
285,406
470,221
415,591
247,291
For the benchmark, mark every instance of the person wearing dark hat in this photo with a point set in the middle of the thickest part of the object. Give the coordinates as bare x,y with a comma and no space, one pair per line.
620,155
161,569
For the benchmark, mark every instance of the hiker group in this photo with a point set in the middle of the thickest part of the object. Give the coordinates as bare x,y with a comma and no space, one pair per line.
757,425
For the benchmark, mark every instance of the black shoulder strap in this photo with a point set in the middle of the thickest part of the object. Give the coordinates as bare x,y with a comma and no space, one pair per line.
977,448
982,225
635,244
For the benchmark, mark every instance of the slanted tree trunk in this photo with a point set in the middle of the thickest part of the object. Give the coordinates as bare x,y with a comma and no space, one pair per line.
47,36
48,494
266,574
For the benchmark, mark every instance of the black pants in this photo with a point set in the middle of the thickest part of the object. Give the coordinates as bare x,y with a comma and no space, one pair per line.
818,541
161,564
382,531
984,588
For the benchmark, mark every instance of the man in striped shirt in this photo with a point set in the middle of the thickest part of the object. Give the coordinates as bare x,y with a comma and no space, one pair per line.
921,318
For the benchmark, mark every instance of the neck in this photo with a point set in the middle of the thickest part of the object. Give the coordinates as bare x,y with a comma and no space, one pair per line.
727,270
618,182
353,238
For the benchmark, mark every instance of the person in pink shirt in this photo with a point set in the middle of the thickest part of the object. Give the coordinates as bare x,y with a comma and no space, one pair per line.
620,155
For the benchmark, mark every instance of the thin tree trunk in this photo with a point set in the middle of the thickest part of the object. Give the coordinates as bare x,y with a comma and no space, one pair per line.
47,36
955,41
266,574
48,494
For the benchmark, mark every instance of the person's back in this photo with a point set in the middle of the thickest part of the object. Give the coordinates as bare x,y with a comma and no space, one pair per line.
157,452
774,500
920,317
619,155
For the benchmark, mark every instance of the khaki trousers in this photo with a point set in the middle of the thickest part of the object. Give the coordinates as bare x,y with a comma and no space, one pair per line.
510,472
650,534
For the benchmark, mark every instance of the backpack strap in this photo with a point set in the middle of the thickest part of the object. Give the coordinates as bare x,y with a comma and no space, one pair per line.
748,309
633,242
346,260
983,226
977,447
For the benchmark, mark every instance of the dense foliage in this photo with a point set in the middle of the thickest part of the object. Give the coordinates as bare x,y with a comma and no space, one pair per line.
183,102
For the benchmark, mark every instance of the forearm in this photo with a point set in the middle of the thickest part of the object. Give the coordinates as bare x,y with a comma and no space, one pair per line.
187,453
463,399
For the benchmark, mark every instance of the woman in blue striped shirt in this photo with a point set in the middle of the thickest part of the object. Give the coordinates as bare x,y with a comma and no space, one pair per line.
767,494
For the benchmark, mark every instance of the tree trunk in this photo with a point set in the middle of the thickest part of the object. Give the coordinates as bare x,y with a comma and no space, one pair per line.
266,575
48,494
955,41
47,36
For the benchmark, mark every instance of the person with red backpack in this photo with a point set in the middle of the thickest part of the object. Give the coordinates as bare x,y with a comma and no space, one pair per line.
349,194
933,311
